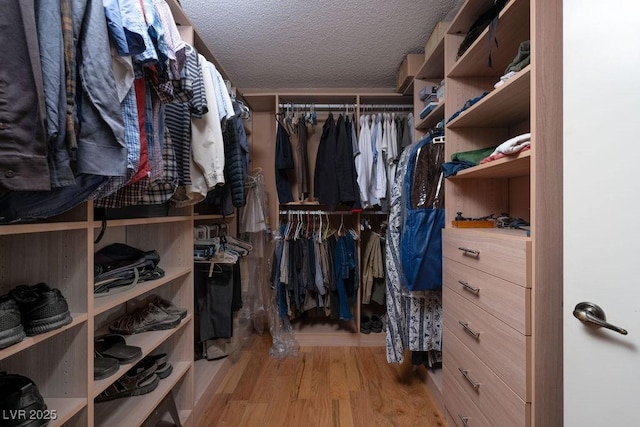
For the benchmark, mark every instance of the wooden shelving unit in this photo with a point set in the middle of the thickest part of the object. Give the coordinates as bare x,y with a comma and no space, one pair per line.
501,296
59,251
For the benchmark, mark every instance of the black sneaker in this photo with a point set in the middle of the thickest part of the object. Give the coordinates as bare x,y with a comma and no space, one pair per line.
19,400
11,330
43,309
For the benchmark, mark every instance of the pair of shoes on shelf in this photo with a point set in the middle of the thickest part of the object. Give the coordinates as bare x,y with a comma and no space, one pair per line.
371,324
365,324
158,315
376,324
141,379
31,310
20,396
111,351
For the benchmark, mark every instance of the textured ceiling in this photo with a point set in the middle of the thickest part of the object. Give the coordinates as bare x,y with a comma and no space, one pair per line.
314,44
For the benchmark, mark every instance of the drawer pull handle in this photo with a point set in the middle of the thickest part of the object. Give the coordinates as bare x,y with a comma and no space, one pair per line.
465,374
470,252
469,288
464,420
467,328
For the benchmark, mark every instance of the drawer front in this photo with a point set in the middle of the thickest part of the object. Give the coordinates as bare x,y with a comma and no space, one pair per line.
504,256
506,301
480,385
458,406
497,344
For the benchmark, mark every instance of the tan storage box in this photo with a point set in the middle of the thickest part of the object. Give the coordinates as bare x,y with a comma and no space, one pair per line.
435,38
409,67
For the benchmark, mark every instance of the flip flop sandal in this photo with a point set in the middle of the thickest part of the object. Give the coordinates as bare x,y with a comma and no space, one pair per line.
139,380
104,367
164,368
115,346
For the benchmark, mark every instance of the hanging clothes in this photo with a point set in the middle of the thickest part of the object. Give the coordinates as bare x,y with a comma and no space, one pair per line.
372,266
348,193
284,163
302,170
325,181
311,271
364,161
414,319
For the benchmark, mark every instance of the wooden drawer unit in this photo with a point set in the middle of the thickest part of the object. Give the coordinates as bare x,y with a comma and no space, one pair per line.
462,412
505,256
505,300
480,385
497,344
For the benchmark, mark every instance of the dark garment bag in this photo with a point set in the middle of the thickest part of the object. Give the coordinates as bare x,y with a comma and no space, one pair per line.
421,238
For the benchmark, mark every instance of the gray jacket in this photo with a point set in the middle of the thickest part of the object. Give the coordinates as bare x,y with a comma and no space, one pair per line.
23,145
101,145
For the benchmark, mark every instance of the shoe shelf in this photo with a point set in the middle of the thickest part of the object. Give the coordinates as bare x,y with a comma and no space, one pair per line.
58,365
78,318
133,411
511,30
107,302
504,106
148,342
65,409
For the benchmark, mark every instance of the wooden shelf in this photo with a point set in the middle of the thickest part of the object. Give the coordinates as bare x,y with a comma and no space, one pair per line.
431,119
147,341
505,233
65,408
211,217
505,106
132,411
78,318
512,29
433,67
506,167
10,229
107,302
141,221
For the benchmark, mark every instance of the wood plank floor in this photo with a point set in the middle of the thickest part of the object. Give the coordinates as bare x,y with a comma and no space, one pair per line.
323,386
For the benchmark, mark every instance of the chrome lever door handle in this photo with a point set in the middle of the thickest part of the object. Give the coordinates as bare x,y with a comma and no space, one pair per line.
591,314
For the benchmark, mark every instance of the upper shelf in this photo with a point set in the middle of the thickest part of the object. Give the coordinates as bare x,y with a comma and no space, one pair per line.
433,66
505,106
511,30
432,118
506,167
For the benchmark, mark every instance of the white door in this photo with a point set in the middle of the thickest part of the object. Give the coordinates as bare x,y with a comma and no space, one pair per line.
602,210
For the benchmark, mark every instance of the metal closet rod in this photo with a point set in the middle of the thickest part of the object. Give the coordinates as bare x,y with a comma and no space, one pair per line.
312,212
338,107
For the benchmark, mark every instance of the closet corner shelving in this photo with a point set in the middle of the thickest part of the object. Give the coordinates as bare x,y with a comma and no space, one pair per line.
430,74
517,310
